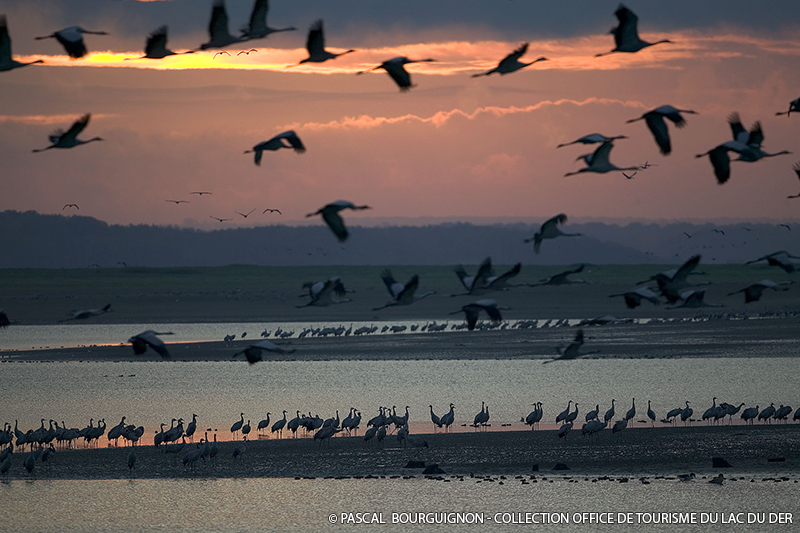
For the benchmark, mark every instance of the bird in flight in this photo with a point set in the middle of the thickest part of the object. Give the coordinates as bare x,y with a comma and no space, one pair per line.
72,40
245,215
511,63
629,176
219,36
70,205
221,219
796,168
794,105
68,139
287,139
786,226
549,230
201,193
6,61
156,46
316,46
246,52
472,310
176,202
626,35
221,53
401,294
395,67
655,122
592,138
598,161
571,351
254,352
272,211
149,338
330,214
258,28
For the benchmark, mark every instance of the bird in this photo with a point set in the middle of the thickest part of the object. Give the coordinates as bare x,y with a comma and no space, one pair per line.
571,351
472,310
236,426
592,415
629,176
245,215
794,105
786,226
223,53
632,411
200,193
278,426
156,46
626,36
149,338
449,417
4,321
72,40
593,138
560,278
220,219
246,429
693,299
549,230
686,414
276,143
619,425
6,61
650,413
330,214
772,260
511,63
68,139
655,122
88,313
191,427
272,211
718,480
485,280
599,163
673,280
76,206
749,414
633,298
257,28
482,417
564,430
796,169
176,202
564,414
752,293
437,422
254,352
321,292
240,448
219,37
401,294
610,413
395,67
246,52
766,413
316,46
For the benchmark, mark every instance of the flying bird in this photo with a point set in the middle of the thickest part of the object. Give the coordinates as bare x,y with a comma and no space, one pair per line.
287,139
693,299
395,67
626,36
201,193
633,298
794,105
592,138
598,162
156,46
149,338
321,292
752,293
272,211
549,230
571,351
560,279
247,52
68,139
630,177
401,294
796,168
219,36
70,205
224,52
6,61
472,310
254,352
511,63
72,40
257,27
176,202
316,46
330,214
655,122
772,260
88,313
245,215
220,219
485,280
673,280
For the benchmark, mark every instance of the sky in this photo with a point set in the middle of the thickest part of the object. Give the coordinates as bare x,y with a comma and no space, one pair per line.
453,147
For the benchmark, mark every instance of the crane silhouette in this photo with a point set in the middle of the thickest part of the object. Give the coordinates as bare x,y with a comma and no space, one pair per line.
511,63
655,122
472,311
219,36
401,294
254,352
315,44
549,230
598,161
69,138
626,35
330,214
287,139
149,339
592,138
257,28
72,40
156,46
7,62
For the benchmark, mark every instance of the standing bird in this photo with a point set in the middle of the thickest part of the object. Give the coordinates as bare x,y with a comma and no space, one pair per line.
219,36
655,122
236,426
549,230
626,36
6,61
437,422
156,46
633,299
147,338
599,163
686,414
794,105
68,139
449,417
4,321
752,293
278,426
401,294
473,309
610,413
650,413
511,63
632,411
254,352
276,143
330,214
395,68
796,169
72,40
257,27
571,351
592,138
316,46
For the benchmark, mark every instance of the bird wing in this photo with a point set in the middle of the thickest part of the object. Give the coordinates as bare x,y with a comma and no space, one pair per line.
5,41
602,153
626,31
270,347
721,163
77,127
756,136
399,74
739,133
686,268
338,287
335,222
659,130
471,313
156,41
410,288
558,219
796,168
316,39
500,280
258,18
491,309
463,277
514,56
293,140
787,267
390,282
218,26
150,338
484,271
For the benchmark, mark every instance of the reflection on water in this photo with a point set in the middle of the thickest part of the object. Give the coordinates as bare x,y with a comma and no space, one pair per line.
304,505
149,393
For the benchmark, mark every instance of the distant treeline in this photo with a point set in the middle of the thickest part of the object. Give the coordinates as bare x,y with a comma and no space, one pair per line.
32,240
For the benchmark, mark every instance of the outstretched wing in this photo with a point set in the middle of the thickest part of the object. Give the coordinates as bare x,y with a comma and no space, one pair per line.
335,222
77,127
293,140
316,39
5,41
514,56
626,31
156,41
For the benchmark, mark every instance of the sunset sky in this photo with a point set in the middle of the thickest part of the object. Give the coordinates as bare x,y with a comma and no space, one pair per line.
453,146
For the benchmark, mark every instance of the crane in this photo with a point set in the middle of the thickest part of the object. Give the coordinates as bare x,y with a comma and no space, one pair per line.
401,294
794,105
561,278
634,297
254,352
219,36
395,67
511,63
257,28
599,163
752,293
72,40
626,35
316,46
156,46
592,138
68,139
472,310
287,139
330,214
149,338
6,60
549,230
655,122
571,351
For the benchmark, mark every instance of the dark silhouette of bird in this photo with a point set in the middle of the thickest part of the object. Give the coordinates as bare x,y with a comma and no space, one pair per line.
395,67
626,35
549,230
149,338
560,279
401,294
4,321
629,176
485,280
571,351
257,28
794,105
276,143
219,36
598,161
224,52
6,61
88,313
772,260
176,202
511,63
68,139
70,205
72,40
316,46
472,310
220,219
330,214
796,169
786,226
156,46
694,299
592,138
247,52
245,215
670,282
655,122
633,298
272,211
321,292
752,293
254,352
201,193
